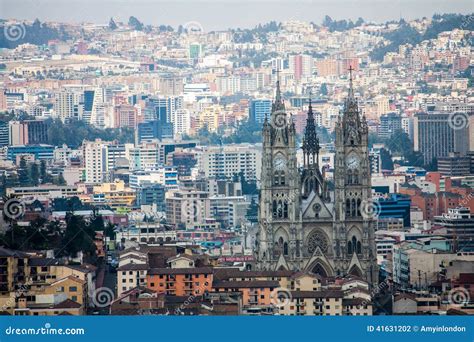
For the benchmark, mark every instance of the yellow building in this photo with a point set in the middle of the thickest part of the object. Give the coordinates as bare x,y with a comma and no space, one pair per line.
209,117
114,194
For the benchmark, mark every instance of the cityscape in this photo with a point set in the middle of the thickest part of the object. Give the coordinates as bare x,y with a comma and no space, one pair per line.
290,168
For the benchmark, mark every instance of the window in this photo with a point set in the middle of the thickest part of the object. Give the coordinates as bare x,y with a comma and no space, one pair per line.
72,288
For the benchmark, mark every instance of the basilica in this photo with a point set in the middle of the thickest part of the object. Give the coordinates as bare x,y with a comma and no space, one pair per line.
307,223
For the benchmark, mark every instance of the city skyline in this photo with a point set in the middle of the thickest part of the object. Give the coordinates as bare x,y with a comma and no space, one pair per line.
225,14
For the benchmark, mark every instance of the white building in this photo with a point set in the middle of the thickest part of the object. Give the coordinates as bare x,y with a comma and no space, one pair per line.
95,161
230,160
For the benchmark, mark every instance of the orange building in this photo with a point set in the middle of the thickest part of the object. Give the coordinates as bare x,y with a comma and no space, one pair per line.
180,281
254,292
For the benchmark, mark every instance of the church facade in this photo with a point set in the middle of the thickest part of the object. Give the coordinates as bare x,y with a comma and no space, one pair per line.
307,223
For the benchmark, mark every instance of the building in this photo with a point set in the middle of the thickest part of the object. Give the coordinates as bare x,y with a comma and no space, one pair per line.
395,206
454,165
459,225
230,160
259,109
303,224
187,207
151,194
436,136
389,124
95,161
40,152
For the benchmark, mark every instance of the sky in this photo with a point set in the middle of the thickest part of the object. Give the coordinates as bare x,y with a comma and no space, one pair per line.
223,14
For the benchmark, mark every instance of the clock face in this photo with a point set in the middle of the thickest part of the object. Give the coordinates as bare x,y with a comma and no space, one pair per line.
279,163
352,162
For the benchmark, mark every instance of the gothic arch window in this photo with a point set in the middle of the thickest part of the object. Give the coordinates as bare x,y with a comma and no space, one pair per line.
317,239
348,207
285,248
359,248
275,208
349,177
355,177
358,207
349,248
354,241
353,207
319,269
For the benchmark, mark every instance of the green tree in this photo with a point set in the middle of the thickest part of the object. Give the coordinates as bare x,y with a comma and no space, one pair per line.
34,174
112,24
23,174
386,159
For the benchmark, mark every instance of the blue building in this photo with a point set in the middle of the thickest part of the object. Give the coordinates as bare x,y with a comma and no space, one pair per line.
395,206
258,109
153,130
41,152
149,194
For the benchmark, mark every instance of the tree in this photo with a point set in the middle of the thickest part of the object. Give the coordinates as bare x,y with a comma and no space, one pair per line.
34,174
78,237
23,175
45,178
324,89
386,160
135,23
112,24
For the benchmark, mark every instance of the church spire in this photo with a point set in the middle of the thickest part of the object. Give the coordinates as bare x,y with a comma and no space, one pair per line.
351,88
310,139
278,104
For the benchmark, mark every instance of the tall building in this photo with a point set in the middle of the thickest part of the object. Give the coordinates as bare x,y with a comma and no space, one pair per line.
229,160
69,105
454,165
306,223
95,161
301,66
436,135
259,109
28,132
459,223
389,124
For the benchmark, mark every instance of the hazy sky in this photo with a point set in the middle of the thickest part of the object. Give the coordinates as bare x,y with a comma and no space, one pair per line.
221,14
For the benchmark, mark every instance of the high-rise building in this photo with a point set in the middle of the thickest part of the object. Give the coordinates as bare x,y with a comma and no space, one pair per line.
389,124
436,136
69,105
304,223
301,66
259,109
460,227
28,132
230,160
454,165
95,161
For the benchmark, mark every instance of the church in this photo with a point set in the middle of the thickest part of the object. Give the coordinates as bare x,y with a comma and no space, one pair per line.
307,223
